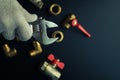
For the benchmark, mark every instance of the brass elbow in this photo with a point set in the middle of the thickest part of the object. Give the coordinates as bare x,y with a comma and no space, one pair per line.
9,52
37,50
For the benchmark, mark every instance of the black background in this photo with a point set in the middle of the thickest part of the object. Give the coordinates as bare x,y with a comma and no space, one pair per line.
95,58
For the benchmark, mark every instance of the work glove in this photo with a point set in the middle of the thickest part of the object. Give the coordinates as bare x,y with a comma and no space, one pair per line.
14,21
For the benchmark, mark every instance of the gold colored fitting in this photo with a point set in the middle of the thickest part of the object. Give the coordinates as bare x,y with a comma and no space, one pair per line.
58,7
37,50
50,70
9,52
37,3
67,24
60,34
71,17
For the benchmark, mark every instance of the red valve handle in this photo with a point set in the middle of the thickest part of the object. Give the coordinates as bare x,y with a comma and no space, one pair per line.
75,23
56,61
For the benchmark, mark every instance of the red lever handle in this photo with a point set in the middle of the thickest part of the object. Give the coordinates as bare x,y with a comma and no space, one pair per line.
56,61
75,23
51,57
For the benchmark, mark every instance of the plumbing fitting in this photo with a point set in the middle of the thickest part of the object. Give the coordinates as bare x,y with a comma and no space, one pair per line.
72,21
37,3
37,50
66,23
50,69
58,34
9,52
55,9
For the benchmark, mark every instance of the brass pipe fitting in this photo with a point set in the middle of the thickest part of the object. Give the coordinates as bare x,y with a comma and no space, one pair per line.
37,50
37,3
60,35
66,23
49,70
9,52
57,7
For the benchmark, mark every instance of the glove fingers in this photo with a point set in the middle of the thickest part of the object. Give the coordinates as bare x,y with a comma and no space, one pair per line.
24,31
7,27
1,28
29,17
9,34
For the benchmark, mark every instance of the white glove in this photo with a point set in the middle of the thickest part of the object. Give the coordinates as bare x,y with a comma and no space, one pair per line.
14,21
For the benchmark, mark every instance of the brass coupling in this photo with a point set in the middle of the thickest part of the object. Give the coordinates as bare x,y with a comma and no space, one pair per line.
55,9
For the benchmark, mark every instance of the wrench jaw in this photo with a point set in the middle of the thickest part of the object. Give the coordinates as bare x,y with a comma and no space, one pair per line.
40,31
51,40
43,40
50,24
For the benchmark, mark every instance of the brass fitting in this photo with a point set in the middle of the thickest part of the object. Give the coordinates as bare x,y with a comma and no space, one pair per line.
9,52
37,50
49,70
37,3
57,7
60,35
66,23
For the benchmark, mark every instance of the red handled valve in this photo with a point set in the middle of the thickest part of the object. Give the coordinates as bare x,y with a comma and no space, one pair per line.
72,21
56,62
